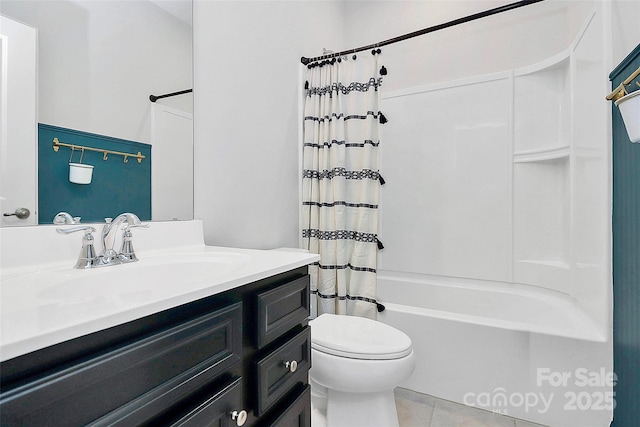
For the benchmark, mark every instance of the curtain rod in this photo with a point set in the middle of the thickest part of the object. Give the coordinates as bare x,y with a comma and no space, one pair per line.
154,98
473,17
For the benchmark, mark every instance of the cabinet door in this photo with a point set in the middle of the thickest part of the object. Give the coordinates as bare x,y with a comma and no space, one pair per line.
276,373
130,381
220,410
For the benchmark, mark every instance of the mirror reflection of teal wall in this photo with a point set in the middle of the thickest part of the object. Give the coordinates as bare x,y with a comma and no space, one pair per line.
116,186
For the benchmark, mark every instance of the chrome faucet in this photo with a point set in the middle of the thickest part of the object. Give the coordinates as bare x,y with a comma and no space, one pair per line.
108,256
65,218
108,239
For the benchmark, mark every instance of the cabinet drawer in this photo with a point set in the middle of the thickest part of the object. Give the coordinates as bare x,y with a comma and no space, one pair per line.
297,414
275,378
216,410
104,383
281,309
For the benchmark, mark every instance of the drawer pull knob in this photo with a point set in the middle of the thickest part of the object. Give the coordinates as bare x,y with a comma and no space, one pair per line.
239,417
291,366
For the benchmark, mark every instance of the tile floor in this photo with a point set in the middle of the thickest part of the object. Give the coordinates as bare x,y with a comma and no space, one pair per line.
421,410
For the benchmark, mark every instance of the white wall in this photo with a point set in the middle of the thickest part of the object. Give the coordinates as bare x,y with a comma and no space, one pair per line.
98,62
625,16
246,114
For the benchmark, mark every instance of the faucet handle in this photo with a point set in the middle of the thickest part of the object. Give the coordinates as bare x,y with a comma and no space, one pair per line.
141,225
87,257
86,228
127,254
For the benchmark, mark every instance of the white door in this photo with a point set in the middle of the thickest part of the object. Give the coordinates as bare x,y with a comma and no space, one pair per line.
171,164
18,123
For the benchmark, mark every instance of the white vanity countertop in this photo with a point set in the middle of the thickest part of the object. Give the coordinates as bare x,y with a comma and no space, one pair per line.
51,303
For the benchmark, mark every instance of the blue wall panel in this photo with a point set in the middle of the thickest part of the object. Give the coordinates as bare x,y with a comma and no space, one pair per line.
626,260
116,186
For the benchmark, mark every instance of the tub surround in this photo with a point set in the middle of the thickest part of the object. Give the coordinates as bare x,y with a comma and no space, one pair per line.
497,262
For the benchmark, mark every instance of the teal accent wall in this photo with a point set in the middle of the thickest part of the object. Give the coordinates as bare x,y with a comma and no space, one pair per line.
626,259
116,186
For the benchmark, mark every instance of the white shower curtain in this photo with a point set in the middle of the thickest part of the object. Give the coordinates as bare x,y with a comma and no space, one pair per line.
341,183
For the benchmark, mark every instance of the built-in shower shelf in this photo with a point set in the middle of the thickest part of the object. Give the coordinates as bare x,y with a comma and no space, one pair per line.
541,155
542,109
554,274
558,61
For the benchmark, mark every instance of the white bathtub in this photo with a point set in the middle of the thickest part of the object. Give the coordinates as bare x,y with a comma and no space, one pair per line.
517,350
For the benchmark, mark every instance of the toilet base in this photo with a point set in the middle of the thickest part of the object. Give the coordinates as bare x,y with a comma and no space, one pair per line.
318,418
354,409
318,404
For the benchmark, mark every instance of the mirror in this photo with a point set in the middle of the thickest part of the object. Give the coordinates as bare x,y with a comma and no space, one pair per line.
97,64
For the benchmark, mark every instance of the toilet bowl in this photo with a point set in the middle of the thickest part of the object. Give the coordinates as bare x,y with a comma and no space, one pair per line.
355,365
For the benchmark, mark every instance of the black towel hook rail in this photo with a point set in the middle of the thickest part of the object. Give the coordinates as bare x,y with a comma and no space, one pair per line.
458,21
154,98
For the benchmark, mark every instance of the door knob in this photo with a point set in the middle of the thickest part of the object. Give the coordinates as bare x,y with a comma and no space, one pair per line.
22,213
240,417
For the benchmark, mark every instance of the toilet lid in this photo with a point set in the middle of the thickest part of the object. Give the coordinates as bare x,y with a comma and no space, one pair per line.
358,338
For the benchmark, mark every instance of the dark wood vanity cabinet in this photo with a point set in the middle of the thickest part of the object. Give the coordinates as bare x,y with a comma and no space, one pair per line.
242,354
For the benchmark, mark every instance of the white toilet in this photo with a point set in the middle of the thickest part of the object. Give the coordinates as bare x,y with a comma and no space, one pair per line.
355,365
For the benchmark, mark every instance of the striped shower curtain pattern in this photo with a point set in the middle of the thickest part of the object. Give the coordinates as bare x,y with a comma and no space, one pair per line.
341,184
